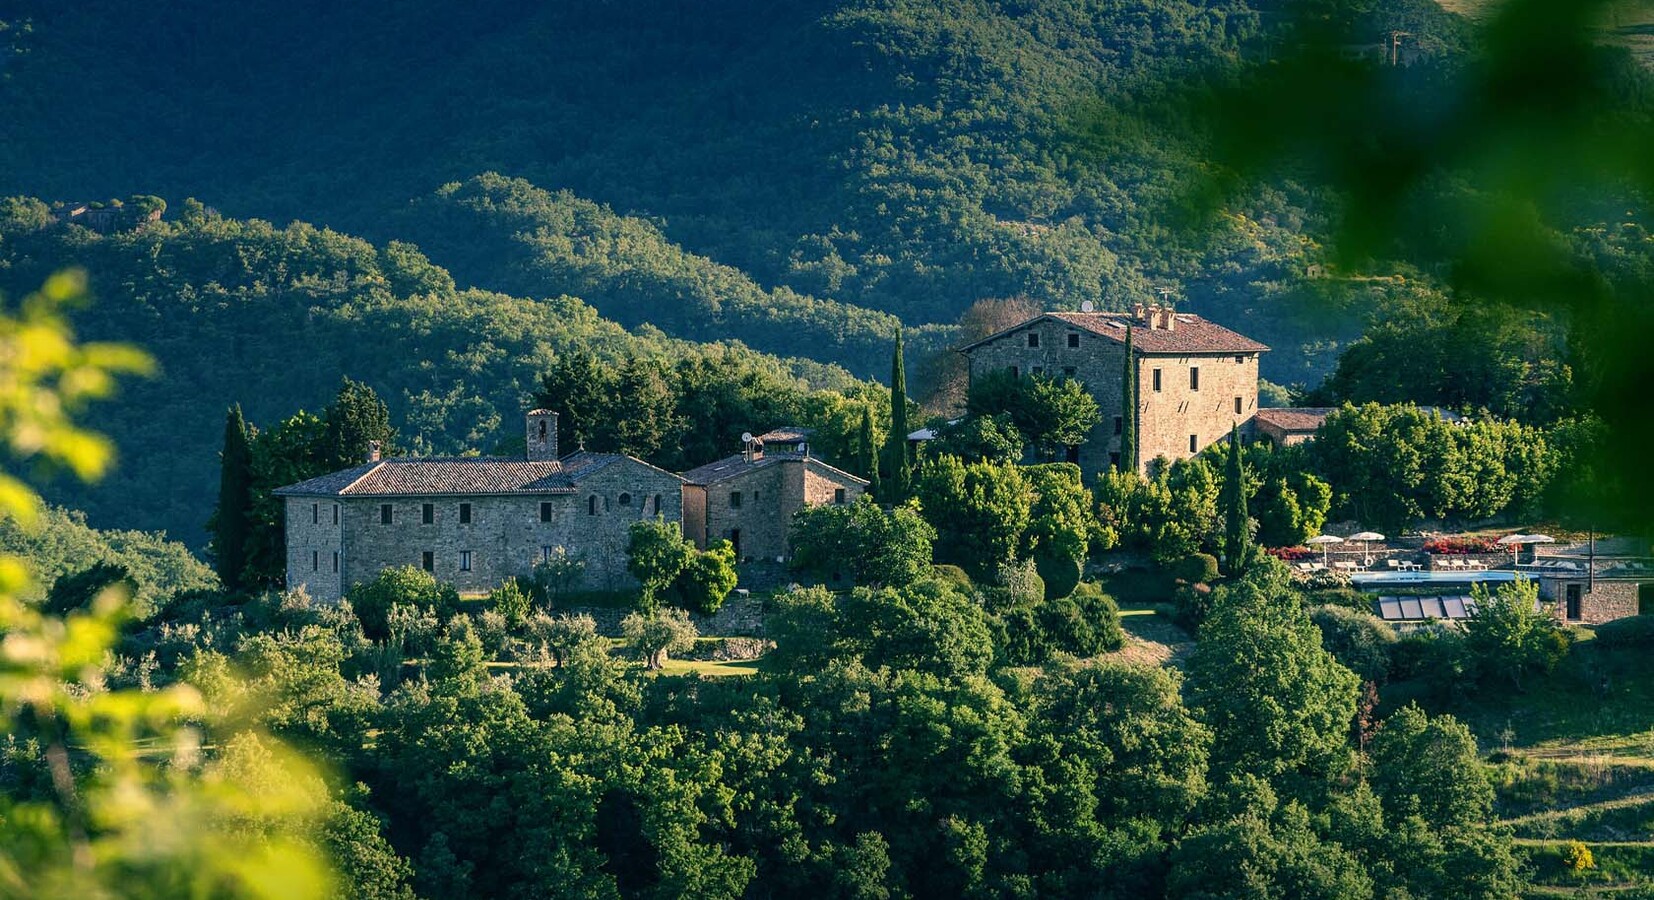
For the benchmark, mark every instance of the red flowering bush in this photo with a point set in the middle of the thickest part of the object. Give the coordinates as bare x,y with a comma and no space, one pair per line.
1457,546
1290,554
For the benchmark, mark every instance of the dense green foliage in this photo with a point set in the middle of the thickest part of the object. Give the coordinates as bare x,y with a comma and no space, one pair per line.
63,545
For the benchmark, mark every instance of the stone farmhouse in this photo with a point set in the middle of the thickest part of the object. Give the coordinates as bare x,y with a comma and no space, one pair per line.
1195,378
749,499
473,521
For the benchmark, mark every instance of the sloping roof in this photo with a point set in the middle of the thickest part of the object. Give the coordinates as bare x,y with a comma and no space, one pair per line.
731,466
1294,418
786,434
414,476
1193,334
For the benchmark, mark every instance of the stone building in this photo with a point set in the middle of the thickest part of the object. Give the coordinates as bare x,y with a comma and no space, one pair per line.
749,499
1578,596
473,521
1195,379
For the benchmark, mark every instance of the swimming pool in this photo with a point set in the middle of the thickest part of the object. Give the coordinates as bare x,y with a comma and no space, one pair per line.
1384,579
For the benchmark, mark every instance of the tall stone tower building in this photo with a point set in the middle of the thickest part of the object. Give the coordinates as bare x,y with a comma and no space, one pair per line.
1195,379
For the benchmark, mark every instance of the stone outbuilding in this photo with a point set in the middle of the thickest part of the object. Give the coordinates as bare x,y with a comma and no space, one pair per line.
749,499
1195,378
1289,425
1617,588
473,521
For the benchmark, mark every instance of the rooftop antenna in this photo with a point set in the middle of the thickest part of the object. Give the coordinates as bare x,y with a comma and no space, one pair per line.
1087,306
1165,295
1395,46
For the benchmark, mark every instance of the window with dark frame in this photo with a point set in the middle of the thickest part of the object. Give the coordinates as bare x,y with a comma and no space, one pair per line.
315,560
545,511
1068,371
838,496
1194,378
335,513
625,499
1157,381
427,561
591,505
1240,360
1239,403
1119,424
657,504
335,562
1575,601
465,513
1194,443
384,513
734,499
427,513
1033,339
465,560
1073,340
315,513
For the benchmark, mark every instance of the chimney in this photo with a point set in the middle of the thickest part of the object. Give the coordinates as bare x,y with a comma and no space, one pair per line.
1171,319
1139,312
541,435
1153,318
373,451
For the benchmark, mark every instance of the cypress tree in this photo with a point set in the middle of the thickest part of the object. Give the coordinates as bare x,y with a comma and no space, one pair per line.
1235,536
1128,410
231,521
895,448
355,417
870,451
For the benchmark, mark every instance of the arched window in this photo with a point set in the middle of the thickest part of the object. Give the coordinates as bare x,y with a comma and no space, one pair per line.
625,499
542,429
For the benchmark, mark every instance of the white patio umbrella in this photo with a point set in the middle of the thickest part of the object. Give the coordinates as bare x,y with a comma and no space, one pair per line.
1325,541
1514,542
1366,538
1536,540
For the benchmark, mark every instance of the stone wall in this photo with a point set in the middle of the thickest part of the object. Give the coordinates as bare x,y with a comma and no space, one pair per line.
769,497
505,537
315,543
1166,418
1607,601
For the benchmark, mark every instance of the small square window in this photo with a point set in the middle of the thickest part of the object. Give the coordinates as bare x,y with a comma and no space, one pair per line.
1119,424
1073,339
427,513
1240,360
1194,443
1194,378
1239,404
427,561
1157,381
465,513
1033,339
465,560
838,496
1068,371
734,499
545,512
384,513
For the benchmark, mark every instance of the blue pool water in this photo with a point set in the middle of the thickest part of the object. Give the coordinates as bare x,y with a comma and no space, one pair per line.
1383,579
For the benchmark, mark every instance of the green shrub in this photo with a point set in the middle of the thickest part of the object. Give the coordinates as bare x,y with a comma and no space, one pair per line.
1635,631
1103,615
1020,637
953,576
1196,568
1346,597
1361,641
410,586
1060,572
1190,604
511,601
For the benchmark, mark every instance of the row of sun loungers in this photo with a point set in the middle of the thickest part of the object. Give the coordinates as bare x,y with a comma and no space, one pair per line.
1461,564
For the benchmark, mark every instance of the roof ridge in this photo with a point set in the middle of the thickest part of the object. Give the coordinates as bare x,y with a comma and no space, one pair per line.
358,479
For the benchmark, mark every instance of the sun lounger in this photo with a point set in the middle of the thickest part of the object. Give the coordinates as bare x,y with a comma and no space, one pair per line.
1393,564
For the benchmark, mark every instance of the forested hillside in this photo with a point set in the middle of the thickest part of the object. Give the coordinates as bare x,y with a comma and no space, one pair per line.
244,312
769,171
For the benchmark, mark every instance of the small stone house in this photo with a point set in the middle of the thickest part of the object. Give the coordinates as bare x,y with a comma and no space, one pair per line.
1287,426
1195,378
473,521
749,499
1617,589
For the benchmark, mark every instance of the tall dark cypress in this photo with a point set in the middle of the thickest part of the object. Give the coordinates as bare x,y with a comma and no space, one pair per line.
231,521
1128,409
869,451
355,417
899,486
1233,497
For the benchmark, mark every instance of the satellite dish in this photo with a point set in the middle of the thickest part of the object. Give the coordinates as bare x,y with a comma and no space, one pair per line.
746,437
1087,306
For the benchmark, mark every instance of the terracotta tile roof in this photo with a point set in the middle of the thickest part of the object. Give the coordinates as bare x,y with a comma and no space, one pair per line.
1294,418
1193,334
413,476
786,434
731,466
